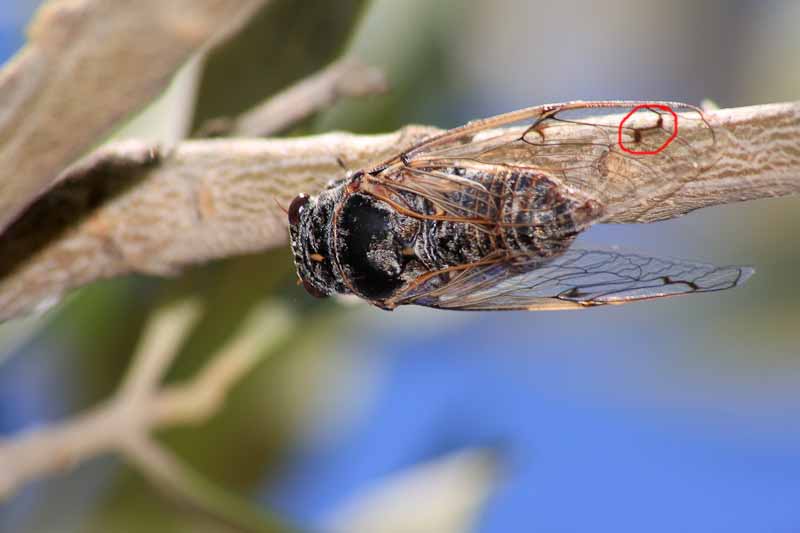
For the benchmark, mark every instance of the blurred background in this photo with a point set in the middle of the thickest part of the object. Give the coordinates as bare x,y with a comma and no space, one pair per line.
674,415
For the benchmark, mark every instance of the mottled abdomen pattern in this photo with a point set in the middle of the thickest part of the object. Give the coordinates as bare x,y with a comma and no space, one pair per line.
524,214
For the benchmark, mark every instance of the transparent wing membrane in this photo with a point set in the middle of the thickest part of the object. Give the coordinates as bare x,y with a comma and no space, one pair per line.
578,278
632,156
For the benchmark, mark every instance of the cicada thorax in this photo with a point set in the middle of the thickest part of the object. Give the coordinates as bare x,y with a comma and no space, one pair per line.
515,213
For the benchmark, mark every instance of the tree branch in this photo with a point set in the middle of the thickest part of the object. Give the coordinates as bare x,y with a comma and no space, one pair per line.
345,78
133,208
188,488
75,47
126,421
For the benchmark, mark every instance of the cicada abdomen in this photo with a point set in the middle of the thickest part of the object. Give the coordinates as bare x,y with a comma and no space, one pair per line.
471,213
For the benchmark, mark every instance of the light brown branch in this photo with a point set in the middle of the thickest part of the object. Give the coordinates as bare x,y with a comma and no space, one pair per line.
88,64
186,487
160,344
122,423
345,78
132,209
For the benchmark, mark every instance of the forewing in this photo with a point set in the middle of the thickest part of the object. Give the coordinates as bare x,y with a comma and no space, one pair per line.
578,278
631,163
452,196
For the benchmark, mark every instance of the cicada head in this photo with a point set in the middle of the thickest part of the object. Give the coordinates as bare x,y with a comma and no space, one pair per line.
350,242
310,235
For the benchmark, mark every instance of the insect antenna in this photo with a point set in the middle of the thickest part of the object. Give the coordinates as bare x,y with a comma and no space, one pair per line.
282,208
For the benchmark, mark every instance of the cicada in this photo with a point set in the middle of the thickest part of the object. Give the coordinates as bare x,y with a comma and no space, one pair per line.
484,216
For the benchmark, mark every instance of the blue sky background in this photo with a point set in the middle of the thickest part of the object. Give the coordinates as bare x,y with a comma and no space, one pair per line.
596,429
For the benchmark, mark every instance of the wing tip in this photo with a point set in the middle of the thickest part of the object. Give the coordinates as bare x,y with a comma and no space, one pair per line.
745,272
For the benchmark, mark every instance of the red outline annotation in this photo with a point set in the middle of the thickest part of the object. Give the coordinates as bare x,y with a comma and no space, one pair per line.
650,107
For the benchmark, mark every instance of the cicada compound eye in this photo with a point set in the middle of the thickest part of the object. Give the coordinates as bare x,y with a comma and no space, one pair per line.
294,208
313,291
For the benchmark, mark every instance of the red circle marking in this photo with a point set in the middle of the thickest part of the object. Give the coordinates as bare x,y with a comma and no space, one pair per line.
649,106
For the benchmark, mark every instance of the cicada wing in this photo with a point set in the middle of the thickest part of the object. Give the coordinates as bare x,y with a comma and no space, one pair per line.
632,160
450,195
578,278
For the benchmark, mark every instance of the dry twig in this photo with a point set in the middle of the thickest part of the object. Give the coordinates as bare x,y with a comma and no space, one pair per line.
45,123
133,208
180,482
126,422
345,78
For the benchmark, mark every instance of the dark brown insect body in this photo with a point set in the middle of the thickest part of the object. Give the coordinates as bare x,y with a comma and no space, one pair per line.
465,221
